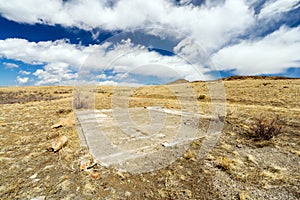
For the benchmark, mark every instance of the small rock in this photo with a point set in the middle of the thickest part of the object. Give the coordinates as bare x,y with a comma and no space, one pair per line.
56,126
68,121
182,177
251,159
161,135
121,175
95,175
58,143
33,176
38,198
127,194
239,146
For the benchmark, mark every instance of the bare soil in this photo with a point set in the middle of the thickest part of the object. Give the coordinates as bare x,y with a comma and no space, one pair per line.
238,167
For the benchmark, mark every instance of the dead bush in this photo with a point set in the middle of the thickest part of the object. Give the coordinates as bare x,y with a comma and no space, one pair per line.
81,102
64,111
265,128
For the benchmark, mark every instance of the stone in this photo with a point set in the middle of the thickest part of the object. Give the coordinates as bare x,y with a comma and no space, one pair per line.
127,194
38,198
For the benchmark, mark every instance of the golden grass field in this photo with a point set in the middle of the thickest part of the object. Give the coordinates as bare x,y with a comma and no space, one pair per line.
238,167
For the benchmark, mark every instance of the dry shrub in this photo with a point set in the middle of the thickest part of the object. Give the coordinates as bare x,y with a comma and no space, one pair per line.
224,163
83,97
265,129
12,97
80,102
64,111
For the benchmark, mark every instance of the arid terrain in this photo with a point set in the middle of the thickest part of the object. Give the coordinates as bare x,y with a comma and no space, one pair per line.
241,165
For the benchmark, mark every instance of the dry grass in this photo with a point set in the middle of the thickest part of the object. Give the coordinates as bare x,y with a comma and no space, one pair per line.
234,166
224,163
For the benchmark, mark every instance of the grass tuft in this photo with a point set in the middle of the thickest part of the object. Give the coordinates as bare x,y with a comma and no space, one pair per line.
224,163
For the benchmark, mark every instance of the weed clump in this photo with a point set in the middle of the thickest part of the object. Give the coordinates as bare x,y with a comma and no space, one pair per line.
224,163
83,99
266,83
265,129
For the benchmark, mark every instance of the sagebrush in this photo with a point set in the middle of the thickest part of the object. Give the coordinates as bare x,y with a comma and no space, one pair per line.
265,128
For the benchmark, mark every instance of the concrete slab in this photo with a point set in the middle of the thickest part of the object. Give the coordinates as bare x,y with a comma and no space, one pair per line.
138,139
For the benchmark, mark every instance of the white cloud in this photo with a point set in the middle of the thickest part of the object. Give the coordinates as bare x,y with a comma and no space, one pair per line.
55,74
31,11
10,65
212,3
40,52
101,76
107,83
124,57
272,54
22,80
277,7
24,72
213,25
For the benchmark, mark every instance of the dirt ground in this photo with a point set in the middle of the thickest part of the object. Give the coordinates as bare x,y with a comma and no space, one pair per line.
238,167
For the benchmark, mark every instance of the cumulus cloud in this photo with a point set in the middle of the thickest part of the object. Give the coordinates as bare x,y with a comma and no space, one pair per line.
40,52
24,72
213,24
55,73
124,57
101,76
269,55
10,65
127,58
22,80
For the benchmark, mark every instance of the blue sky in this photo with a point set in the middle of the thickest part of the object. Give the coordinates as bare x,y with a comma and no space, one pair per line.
146,42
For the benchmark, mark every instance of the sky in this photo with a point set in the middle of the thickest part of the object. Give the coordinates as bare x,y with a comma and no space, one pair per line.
135,42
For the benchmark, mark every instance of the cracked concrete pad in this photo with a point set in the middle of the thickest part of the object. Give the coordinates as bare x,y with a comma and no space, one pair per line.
138,139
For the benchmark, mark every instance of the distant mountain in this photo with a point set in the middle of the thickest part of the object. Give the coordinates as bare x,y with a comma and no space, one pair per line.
232,78
255,77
